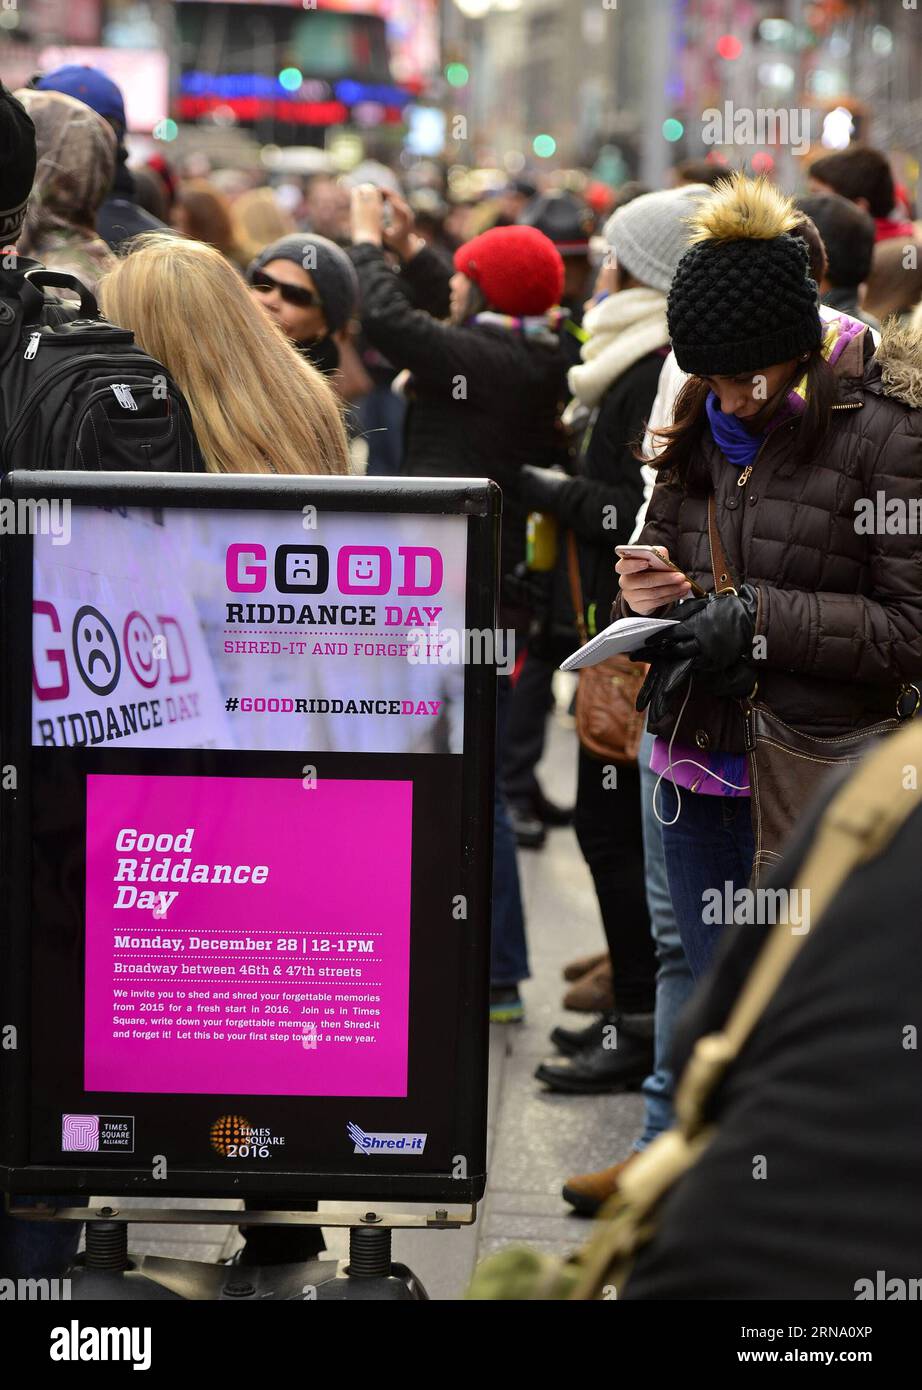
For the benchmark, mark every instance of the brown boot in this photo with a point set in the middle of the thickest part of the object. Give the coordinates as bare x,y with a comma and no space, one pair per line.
577,968
592,994
589,1191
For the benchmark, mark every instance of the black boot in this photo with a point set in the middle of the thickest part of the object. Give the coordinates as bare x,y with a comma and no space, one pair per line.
548,812
620,1061
570,1041
528,829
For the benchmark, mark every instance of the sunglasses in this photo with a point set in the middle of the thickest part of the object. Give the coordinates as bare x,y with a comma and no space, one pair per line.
292,294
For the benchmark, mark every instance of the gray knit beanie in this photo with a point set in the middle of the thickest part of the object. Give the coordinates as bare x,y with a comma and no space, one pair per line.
649,234
328,266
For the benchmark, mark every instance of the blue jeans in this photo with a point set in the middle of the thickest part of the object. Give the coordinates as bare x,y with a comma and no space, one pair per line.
674,982
38,1249
509,950
710,846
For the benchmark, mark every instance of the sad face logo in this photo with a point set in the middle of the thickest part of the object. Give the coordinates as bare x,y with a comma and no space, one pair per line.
302,569
138,641
96,650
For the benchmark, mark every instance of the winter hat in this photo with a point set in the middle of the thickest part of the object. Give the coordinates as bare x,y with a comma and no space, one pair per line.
650,233
566,219
17,167
328,266
92,87
518,269
77,153
742,297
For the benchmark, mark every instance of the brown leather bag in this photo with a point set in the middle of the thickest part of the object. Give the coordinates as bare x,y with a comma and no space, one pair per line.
608,724
787,767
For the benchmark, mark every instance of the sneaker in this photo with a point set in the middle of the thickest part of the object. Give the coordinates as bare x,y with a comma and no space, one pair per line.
587,1192
506,1004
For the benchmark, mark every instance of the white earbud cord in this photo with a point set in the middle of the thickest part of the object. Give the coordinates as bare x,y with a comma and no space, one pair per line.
667,770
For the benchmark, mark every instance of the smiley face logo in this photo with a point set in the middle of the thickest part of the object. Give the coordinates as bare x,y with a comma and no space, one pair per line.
138,642
96,650
363,569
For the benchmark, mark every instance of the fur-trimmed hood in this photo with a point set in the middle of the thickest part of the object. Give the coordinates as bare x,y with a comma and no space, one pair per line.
899,358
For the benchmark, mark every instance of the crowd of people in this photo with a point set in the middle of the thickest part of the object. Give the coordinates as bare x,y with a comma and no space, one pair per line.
719,369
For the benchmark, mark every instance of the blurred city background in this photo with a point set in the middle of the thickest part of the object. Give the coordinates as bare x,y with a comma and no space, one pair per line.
459,96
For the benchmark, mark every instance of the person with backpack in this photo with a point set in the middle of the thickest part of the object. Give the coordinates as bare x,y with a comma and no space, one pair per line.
76,154
257,405
781,437
75,391
48,427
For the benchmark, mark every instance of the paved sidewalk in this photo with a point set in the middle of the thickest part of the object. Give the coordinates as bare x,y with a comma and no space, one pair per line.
535,1138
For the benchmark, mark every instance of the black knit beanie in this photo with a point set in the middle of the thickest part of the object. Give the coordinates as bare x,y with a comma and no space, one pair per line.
17,165
742,297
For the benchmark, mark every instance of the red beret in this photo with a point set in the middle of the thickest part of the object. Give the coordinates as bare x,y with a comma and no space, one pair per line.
518,269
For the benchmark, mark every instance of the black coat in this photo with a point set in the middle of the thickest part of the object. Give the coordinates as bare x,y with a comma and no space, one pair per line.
840,609
483,400
609,478
120,218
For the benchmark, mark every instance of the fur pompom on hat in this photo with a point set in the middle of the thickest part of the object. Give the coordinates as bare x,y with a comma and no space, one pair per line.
518,269
742,297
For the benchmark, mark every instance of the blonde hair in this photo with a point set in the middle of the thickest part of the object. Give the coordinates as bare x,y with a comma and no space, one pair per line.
258,221
257,405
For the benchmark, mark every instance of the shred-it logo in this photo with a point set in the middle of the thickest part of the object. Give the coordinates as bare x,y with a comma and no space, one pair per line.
232,1136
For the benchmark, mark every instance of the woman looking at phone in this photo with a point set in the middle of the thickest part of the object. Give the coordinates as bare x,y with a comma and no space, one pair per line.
789,422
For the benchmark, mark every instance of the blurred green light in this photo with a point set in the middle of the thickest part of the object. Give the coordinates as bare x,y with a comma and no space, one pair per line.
291,79
544,146
673,129
457,75
166,129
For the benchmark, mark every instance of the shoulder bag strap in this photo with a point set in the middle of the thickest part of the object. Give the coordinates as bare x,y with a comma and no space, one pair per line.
576,588
723,578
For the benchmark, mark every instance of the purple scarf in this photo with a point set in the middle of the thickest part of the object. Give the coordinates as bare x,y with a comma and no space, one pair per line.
737,444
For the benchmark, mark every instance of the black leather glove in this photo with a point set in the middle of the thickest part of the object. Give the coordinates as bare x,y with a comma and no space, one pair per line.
712,640
664,678
714,633
540,487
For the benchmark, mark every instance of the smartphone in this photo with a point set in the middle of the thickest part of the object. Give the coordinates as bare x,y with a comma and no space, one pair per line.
655,561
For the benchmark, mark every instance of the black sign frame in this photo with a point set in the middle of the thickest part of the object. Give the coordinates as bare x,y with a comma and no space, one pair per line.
385,1178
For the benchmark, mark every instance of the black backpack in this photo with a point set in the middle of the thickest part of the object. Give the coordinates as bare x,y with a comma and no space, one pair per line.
77,392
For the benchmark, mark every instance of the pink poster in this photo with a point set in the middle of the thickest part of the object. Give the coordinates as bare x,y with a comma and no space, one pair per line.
247,935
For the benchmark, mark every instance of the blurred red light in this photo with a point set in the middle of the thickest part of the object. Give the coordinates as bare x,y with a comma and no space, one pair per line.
729,46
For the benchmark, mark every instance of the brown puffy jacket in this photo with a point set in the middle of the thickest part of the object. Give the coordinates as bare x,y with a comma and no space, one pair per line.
840,611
